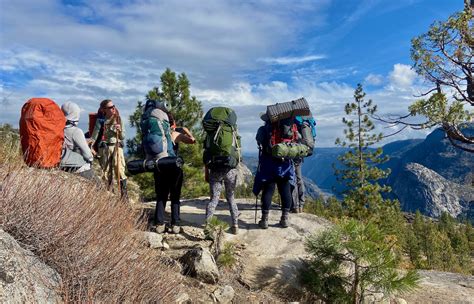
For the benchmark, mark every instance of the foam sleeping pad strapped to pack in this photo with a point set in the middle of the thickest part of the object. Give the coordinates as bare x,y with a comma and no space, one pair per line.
289,150
142,165
288,109
42,132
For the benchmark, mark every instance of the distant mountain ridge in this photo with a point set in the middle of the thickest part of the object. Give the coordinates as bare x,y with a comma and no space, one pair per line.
449,166
437,154
420,188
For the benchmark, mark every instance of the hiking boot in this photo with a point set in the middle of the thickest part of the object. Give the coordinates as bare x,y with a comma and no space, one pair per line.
300,210
160,228
263,223
175,229
234,229
284,221
295,210
123,189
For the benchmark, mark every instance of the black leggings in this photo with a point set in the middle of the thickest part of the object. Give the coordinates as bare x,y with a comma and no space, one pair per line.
168,182
284,188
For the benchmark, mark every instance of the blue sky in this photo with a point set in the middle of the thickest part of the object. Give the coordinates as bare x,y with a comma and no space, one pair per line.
244,54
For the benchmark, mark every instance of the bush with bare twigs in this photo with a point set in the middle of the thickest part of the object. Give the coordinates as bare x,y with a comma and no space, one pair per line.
85,233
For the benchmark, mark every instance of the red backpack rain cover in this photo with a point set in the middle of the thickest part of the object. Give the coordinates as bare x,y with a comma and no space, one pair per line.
42,132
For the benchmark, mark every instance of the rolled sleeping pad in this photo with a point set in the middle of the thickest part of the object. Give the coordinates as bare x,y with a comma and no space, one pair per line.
288,109
143,165
289,150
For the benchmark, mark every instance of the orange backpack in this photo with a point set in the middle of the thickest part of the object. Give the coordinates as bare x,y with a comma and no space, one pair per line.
42,132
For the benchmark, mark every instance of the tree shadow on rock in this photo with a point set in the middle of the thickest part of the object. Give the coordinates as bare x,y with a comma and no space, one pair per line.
283,280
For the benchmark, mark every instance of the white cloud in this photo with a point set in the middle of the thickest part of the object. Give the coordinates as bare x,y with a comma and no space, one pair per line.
209,38
292,60
374,79
102,51
327,101
127,80
402,76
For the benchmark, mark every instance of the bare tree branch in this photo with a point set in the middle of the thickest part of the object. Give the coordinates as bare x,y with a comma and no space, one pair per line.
460,146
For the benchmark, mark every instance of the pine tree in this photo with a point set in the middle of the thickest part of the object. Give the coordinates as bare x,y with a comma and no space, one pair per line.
455,233
186,109
362,248
447,258
334,208
413,249
443,57
134,145
360,172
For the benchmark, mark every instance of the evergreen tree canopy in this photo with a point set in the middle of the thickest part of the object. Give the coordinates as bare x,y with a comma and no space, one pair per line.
186,109
444,57
352,260
443,245
359,171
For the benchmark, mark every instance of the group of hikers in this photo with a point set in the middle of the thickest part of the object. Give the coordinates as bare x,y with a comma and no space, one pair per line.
285,138
105,143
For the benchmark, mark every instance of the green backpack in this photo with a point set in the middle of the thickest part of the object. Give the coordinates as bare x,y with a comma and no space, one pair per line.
222,142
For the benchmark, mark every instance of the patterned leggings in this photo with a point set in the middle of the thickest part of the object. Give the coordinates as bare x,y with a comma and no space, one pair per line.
229,176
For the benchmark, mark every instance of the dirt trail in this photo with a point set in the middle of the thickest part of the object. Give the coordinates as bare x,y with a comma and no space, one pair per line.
269,261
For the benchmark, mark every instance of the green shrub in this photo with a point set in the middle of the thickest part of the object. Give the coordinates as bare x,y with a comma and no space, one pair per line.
214,231
350,259
227,256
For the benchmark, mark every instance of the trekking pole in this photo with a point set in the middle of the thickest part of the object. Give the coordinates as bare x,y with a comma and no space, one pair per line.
117,164
256,206
258,169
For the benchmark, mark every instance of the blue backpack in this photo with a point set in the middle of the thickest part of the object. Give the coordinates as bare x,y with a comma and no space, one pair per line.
307,128
156,131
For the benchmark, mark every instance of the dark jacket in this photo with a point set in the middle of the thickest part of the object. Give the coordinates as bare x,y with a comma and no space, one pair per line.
269,168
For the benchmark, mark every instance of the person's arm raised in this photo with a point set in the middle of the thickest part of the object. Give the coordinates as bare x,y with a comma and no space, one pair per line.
185,137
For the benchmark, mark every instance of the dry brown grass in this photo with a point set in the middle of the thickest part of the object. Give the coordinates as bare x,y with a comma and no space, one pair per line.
86,234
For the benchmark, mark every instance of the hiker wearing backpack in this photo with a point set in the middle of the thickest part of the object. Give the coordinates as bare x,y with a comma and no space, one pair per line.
178,135
77,156
307,132
279,144
298,197
41,133
221,156
272,171
160,142
107,138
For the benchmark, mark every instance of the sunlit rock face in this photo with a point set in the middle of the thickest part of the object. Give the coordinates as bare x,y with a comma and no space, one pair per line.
420,188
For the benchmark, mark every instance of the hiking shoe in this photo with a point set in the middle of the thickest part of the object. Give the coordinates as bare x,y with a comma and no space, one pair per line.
295,210
175,229
284,221
263,223
160,228
234,229
300,210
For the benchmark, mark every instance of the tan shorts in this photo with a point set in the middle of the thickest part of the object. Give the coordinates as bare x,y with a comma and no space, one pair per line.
110,162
